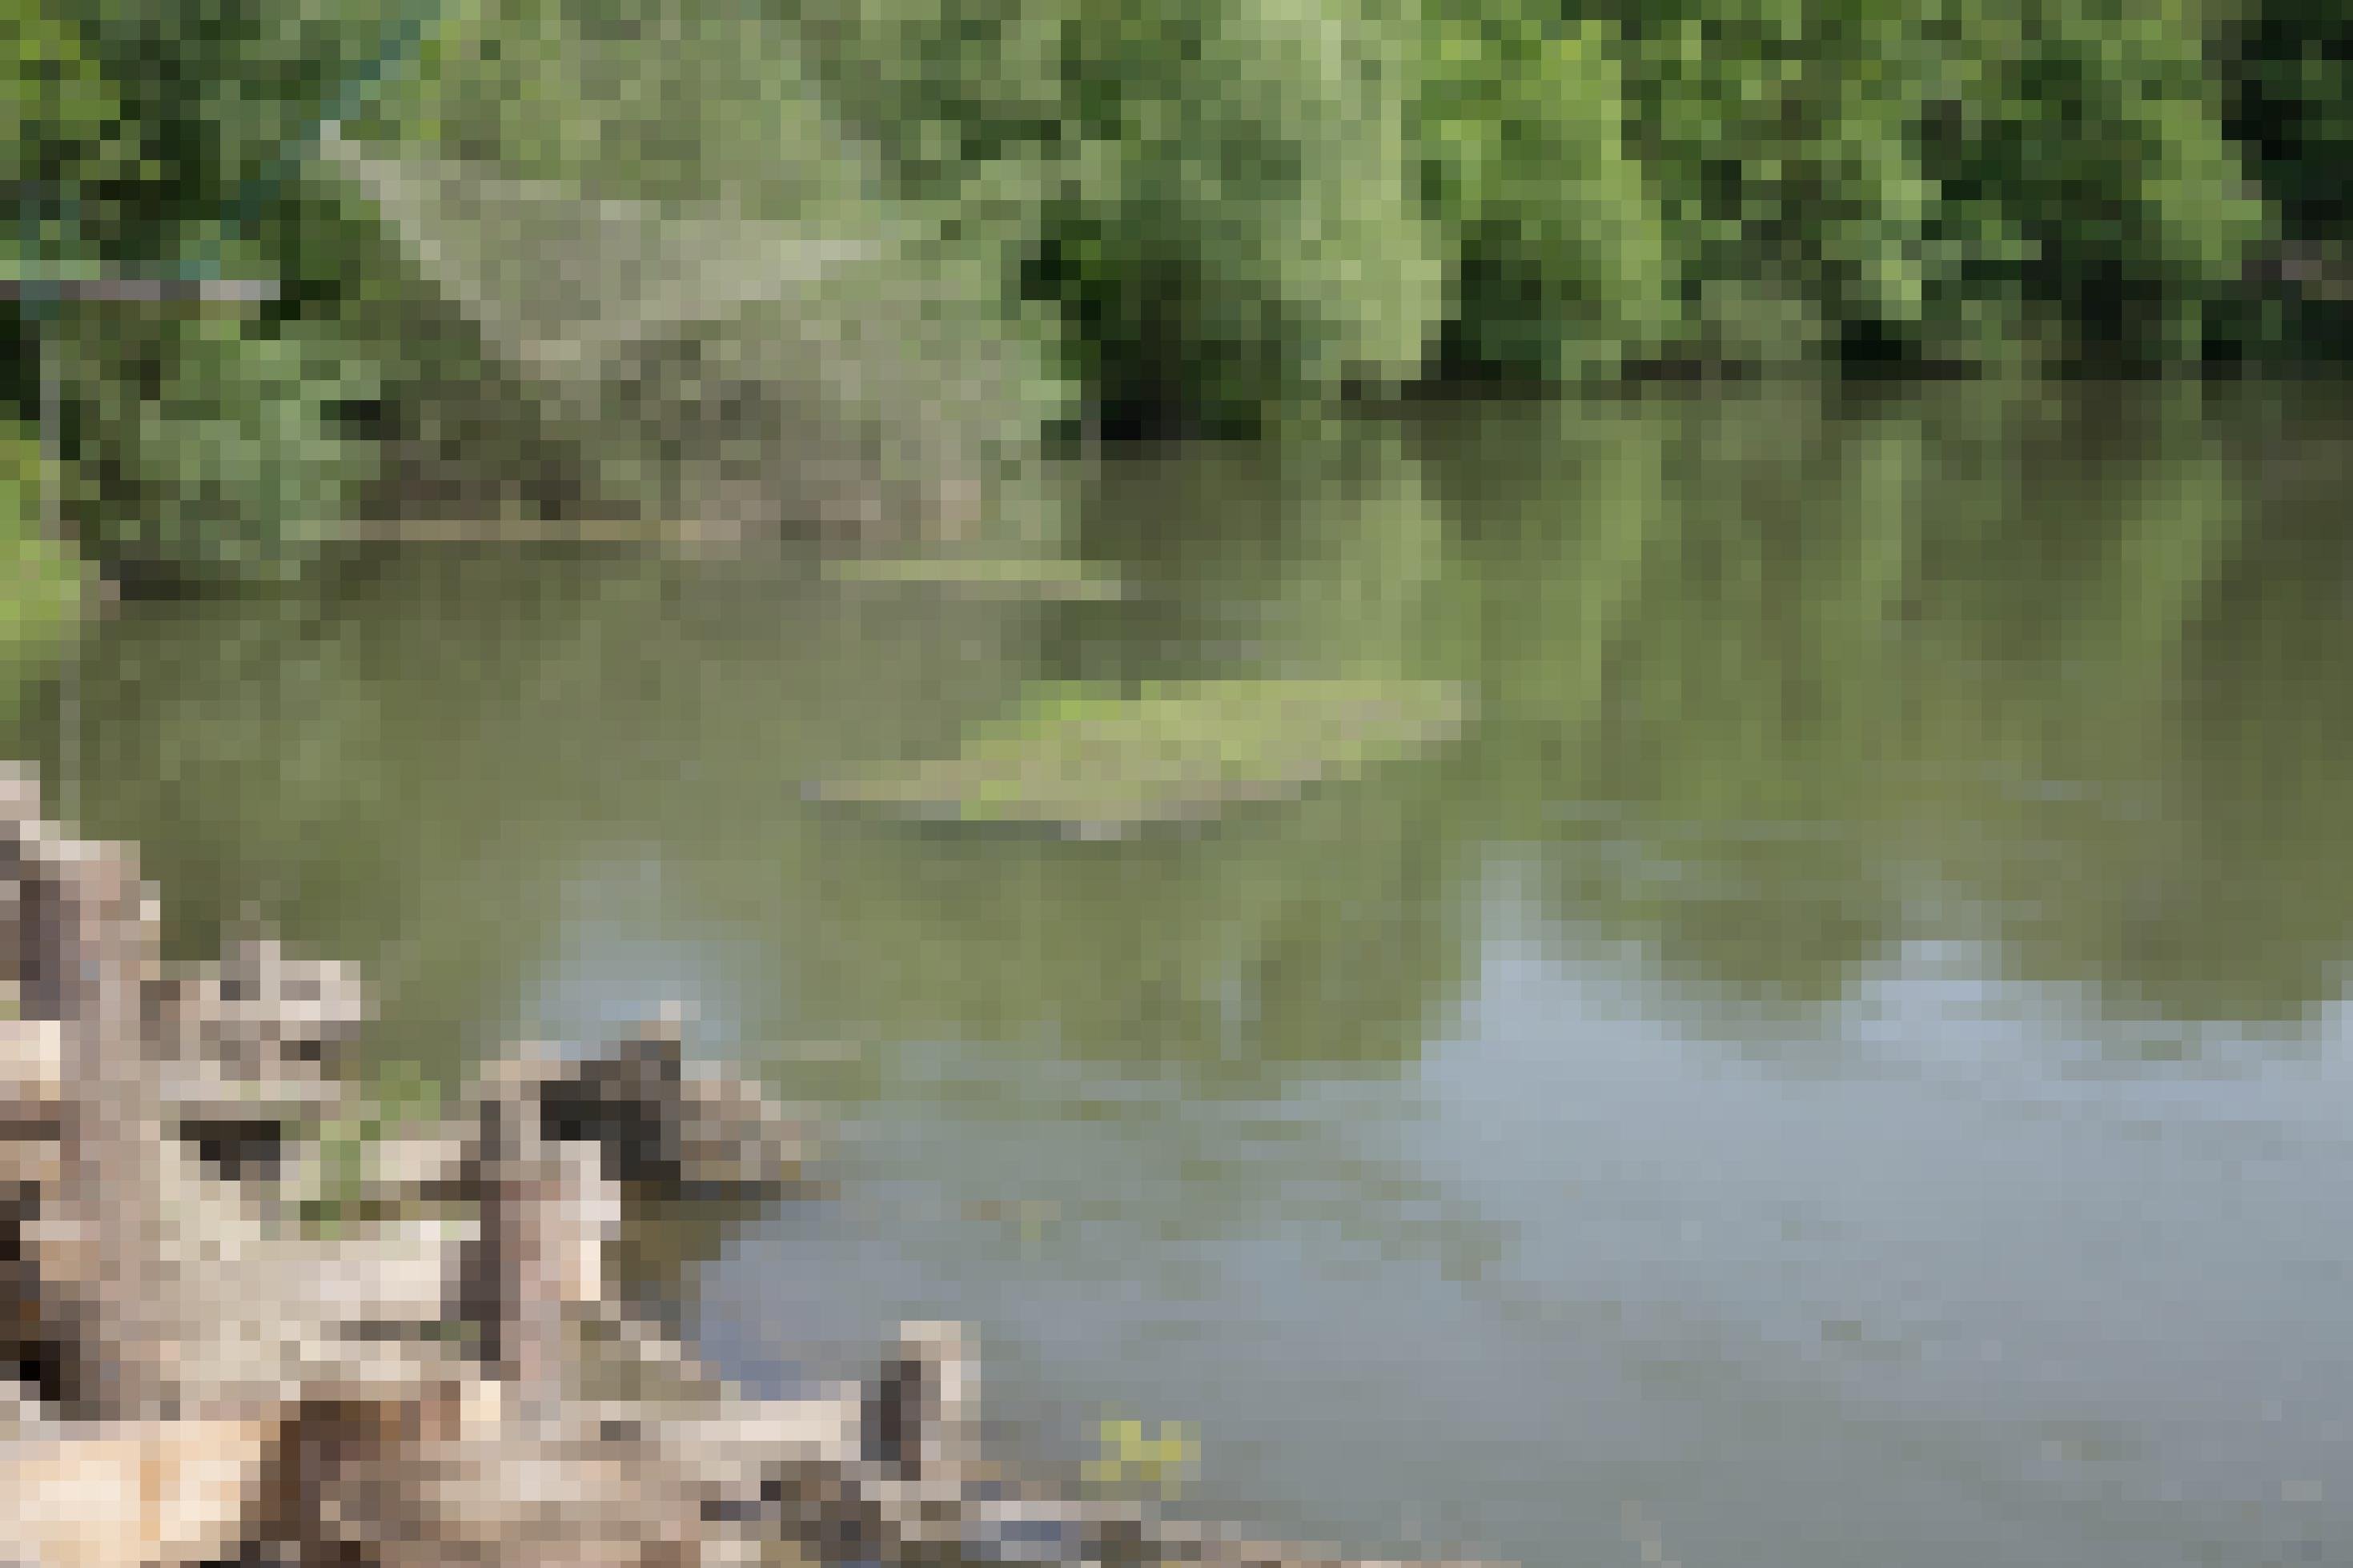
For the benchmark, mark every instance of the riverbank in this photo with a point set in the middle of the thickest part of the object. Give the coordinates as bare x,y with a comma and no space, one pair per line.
444,1373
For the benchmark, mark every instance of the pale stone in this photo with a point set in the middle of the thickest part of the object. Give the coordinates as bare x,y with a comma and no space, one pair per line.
32,1069
130,1495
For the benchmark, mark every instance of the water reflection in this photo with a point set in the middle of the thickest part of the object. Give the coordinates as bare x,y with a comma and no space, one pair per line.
1844,1063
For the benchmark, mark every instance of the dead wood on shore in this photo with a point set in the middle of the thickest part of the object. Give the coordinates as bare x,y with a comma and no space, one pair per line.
199,1379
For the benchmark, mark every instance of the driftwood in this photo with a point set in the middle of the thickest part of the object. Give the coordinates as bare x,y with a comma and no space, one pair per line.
79,936
143,1285
664,1130
122,1495
666,1126
164,1314
258,1023
545,1211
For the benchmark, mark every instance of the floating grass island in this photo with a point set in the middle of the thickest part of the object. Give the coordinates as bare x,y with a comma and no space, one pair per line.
1099,762
1032,577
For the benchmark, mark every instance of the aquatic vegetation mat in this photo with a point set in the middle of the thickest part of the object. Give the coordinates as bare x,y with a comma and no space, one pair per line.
1046,578
1104,760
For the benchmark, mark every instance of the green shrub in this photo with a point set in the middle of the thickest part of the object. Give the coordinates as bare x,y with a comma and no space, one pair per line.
2292,99
154,136
1560,256
207,450
1240,230
1205,214
41,584
1964,180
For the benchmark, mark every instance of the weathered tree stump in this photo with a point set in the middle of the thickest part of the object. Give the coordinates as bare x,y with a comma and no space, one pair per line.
547,1212
79,933
671,1129
918,1414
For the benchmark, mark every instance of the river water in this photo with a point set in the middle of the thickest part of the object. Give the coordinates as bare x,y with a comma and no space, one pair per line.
1845,1060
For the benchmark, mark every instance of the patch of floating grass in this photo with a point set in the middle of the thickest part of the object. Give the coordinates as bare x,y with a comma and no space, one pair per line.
1040,578
1103,762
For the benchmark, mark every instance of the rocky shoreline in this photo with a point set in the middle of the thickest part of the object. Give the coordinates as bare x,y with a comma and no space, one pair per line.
447,1379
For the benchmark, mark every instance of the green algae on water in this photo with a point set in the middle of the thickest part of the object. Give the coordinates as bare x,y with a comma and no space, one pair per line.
1102,762
1043,578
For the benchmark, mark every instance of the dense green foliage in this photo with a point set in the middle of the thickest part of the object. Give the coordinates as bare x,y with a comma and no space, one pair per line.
40,582
2293,113
157,137
1967,181
1561,247
1204,212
